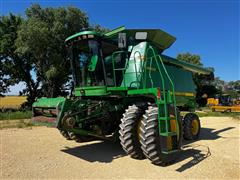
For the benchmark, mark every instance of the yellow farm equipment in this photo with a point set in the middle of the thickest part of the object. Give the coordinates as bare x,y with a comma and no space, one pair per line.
224,103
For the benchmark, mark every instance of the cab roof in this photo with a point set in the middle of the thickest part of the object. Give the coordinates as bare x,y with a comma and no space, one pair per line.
161,39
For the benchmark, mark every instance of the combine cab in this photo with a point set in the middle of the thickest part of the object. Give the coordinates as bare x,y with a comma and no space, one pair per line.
126,89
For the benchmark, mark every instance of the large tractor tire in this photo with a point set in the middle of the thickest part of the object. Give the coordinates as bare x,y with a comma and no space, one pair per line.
150,138
129,132
191,126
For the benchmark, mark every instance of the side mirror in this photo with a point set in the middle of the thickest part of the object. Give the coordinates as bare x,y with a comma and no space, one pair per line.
122,40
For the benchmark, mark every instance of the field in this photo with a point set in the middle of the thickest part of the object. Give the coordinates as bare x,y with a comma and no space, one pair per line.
12,102
42,153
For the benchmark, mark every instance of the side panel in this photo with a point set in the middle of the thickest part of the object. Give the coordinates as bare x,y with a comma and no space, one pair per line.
185,89
134,70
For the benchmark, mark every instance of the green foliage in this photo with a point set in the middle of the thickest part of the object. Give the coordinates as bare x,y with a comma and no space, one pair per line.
232,88
15,115
15,67
42,35
219,84
234,85
35,44
190,58
100,29
8,28
234,115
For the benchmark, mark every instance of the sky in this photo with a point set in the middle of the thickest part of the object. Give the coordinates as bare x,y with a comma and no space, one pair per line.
209,28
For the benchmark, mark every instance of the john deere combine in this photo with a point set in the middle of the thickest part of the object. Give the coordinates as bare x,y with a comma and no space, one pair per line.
126,89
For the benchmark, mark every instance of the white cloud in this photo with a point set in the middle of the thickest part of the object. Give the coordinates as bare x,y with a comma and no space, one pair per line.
14,90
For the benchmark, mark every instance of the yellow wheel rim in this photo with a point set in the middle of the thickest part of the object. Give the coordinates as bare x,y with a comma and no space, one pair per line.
195,127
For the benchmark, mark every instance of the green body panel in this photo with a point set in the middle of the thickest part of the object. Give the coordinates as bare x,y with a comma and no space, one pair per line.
91,91
134,71
48,102
186,66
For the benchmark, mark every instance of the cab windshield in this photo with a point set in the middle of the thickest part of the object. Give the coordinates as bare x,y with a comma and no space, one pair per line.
91,62
86,63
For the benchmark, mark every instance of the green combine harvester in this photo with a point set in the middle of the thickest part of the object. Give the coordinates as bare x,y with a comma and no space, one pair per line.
124,88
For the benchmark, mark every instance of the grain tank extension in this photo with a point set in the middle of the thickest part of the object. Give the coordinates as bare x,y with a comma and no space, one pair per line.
126,89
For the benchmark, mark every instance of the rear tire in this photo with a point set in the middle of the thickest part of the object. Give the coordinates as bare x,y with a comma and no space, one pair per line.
129,132
191,127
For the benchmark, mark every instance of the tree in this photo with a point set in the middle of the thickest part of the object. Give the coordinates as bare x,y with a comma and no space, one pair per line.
203,82
100,29
15,67
234,85
42,36
219,84
5,80
190,58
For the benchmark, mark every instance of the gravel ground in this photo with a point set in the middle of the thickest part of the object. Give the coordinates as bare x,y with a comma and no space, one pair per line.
41,152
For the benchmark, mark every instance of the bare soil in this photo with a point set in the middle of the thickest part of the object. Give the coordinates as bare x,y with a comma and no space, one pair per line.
41,152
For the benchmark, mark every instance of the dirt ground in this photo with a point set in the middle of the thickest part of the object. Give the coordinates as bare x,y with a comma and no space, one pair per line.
41,152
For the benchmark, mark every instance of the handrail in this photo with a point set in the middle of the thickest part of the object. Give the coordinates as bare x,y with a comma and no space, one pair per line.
162,81
141,67
170,80
122,69
126,65
173,90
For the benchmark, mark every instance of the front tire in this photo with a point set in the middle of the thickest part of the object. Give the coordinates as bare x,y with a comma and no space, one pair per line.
191,127
150,141
150,138
129,132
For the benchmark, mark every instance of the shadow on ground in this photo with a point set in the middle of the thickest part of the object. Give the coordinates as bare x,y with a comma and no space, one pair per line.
212,134
101,151
197,152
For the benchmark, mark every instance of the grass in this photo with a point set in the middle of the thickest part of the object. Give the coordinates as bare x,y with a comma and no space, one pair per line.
19,119
22,123
219,114
16,123
15,115
206,111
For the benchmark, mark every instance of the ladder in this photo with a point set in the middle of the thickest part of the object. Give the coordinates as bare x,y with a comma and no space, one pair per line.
167,100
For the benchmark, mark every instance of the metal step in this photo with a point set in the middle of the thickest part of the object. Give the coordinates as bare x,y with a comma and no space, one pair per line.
171,151
167,118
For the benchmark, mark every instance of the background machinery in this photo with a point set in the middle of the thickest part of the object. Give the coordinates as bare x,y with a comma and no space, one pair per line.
224,103
124,88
